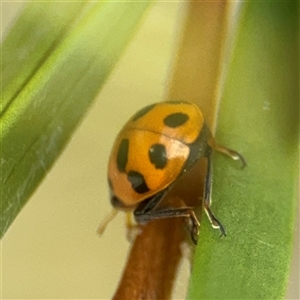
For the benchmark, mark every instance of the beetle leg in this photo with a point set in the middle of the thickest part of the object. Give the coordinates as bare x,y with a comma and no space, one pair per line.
207,195
227,151
129,222
149,205
132,228
147,212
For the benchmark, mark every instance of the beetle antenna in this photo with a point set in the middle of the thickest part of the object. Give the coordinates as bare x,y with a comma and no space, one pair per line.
107,220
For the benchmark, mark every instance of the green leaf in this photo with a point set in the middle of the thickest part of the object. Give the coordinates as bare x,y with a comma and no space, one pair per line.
259,118
54,61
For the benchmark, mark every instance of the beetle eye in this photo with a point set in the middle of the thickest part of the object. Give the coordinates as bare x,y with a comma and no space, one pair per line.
116,202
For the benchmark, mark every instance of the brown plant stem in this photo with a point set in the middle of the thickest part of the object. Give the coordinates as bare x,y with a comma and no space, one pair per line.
153,260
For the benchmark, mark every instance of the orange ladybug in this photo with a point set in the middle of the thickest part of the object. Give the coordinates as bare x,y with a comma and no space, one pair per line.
155,147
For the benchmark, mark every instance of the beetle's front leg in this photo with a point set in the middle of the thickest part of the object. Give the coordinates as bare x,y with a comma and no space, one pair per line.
148,211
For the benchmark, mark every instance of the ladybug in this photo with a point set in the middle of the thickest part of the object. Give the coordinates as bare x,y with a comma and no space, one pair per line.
156,146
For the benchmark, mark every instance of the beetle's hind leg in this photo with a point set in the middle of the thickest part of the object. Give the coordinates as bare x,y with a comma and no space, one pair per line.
231,153
207,195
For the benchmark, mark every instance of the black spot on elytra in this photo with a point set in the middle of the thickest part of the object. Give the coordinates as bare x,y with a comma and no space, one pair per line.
137,182
122,155
176,119
158,155
142,112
